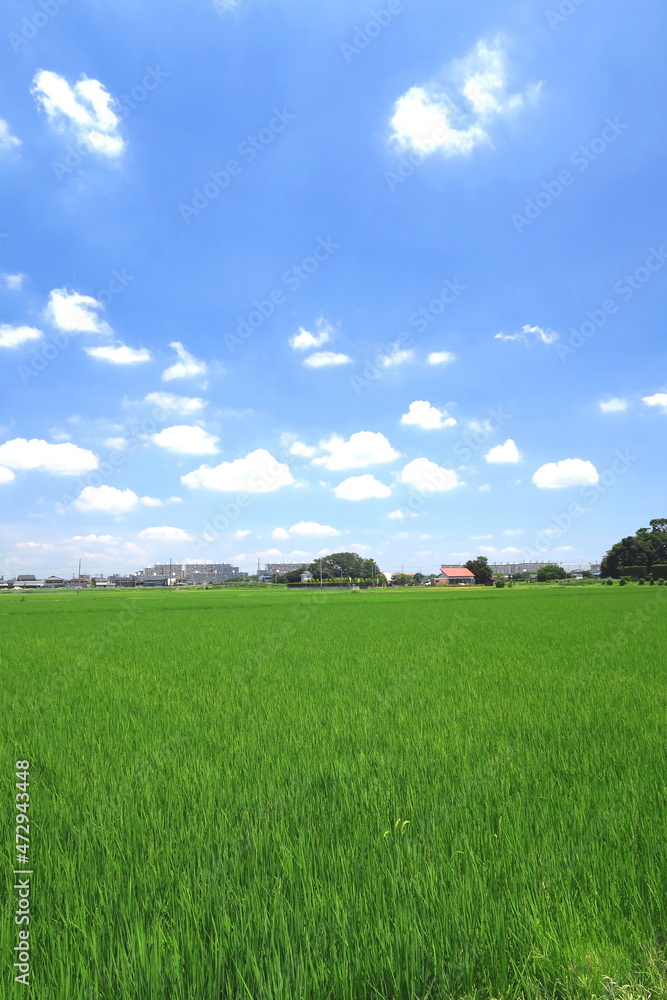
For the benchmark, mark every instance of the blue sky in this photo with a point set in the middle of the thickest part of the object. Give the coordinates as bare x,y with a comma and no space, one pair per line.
411,257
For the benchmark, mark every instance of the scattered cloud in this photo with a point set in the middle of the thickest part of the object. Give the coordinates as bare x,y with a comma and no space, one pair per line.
85,108
279,534
440,358
658,399
395,357
115,443
484,488
176,404
569,472
296,447
313,528
6,476
59,459
401,515
92,538
165,534
504,454
614,405
13,281
15,336
481,538
422,414
305,340
75,313
529,333
121,354
7,139
361,450
106,499
427,118
326,359
187,440
513,531
187,366
258,472
241,533
427,477
362,488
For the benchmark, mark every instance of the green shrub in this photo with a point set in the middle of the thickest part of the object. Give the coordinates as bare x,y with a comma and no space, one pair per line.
661,582
659,570
642,582
635,572
652,583
610,583
500,583
623,582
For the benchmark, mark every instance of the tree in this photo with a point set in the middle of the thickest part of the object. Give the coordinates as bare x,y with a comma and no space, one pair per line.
550,572
345,565
480,567
419,578
645,548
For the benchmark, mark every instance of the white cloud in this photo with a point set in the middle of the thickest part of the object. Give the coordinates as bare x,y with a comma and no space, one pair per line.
529,332
121,354
614,405
187,440
362,449
7,139
75,313
484,488
422,414
327,359
564,548
92,538
14,281
427,119
151,501
569,472
659,399
85,108
258,472
60,459
502,454
313,528
14,336
165,534
241,533
395,358
33,545
176,404
400,515
481,538
6,476
279,534
427,477
511,550
115,443
513,531
441,358
362,488
305,340
107,499
187,366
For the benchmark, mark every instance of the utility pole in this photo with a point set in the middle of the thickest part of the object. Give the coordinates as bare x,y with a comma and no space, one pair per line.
78,582
258,574
320,572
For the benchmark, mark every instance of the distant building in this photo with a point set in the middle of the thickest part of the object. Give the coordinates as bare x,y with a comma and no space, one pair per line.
272,568
513,569
53,581
457,576
191,572
305,577
26,578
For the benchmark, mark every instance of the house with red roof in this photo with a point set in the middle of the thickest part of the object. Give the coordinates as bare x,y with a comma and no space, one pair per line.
457,576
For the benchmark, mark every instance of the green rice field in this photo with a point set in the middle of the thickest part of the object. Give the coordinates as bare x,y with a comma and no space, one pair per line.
381,795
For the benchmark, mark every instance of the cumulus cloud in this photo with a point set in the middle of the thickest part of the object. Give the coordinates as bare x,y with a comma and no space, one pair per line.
176,404
92,538
7,139
428,118
427,477
296,447
258,472
121,354
440,358
614,405
6,476
75,313
241,533
59,459
165,534
569,472
115,443
529,333
327,359
15,336
107,499
187,366
658,399
84,108
187,440
13,281
401,515
279,534
306,340
484,488
395,357
362,488
502,454
422,414
313,528
362,449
